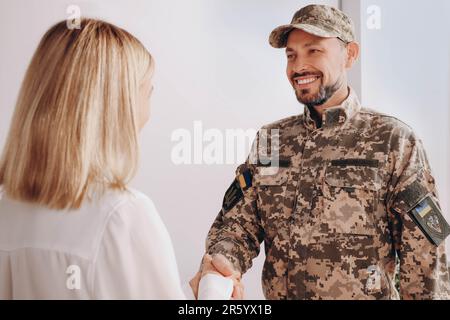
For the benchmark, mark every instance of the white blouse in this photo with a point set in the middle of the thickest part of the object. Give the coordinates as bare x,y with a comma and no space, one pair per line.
113,247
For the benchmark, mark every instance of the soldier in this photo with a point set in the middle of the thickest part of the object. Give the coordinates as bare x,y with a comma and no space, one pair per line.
346,196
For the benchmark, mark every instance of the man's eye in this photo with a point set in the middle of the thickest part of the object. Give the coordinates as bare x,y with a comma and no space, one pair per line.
314,51
290,56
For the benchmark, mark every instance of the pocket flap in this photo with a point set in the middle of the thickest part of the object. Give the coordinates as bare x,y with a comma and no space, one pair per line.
271,176
358,177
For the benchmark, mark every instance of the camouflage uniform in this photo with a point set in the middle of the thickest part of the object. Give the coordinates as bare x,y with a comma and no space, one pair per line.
338,212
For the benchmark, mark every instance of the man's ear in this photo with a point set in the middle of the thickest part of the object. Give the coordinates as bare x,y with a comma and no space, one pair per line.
352,54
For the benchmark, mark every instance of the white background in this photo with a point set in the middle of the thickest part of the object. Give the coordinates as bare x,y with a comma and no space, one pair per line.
406,73
214,64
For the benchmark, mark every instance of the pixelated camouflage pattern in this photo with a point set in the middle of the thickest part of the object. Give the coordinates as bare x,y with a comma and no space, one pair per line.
337,232
320,20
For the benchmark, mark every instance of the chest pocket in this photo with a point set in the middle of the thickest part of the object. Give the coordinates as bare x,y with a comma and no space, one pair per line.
350,199
275,195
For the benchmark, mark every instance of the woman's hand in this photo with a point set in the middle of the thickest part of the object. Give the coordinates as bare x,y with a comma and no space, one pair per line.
220,265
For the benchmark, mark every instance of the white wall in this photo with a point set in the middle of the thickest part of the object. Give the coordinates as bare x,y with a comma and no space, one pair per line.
214,64
405,72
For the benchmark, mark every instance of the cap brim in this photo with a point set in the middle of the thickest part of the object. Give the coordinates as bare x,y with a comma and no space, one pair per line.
278,37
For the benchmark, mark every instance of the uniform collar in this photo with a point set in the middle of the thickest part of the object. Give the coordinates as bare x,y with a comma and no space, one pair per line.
338,115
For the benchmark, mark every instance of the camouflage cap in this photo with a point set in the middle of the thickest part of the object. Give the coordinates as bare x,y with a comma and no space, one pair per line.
320,20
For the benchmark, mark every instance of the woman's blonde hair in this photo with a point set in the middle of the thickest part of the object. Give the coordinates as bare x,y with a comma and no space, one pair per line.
74,128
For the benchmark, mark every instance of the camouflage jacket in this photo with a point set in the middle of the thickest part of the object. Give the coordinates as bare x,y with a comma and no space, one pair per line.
343,205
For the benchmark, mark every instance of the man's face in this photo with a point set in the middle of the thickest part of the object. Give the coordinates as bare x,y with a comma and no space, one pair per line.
316,67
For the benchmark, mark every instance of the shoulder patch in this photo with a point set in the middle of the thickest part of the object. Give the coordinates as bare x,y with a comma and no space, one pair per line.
429,218
236,191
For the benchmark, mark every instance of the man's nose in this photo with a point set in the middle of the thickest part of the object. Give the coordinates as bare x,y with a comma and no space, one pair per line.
299,66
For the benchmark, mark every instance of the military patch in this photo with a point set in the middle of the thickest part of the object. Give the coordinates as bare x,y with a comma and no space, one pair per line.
355,162
235,192
245,180
429,218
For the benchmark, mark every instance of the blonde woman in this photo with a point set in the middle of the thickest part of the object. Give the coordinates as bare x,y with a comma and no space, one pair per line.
70,228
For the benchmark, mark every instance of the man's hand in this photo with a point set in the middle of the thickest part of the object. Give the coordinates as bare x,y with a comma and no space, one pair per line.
220,265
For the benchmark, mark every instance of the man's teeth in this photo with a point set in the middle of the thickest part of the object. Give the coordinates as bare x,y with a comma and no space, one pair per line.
306,81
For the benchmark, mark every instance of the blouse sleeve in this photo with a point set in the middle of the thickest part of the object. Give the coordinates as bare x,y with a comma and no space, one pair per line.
136,258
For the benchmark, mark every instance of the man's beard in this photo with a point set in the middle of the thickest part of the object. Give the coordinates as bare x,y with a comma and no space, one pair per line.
324,94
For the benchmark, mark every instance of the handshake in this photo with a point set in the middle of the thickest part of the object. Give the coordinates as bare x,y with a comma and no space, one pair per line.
217,279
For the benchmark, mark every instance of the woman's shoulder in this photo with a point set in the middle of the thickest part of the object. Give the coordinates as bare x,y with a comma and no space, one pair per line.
136,219
129,199
132,208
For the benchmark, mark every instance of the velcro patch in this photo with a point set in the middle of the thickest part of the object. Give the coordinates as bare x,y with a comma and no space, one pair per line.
373,163
267,162
235,192
429,218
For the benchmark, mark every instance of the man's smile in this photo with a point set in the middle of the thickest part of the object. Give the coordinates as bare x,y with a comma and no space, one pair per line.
302,82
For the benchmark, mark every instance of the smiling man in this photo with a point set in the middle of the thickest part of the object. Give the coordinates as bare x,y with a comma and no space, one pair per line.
353,195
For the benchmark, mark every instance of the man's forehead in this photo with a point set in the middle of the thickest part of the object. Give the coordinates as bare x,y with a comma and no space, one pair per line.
301,38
